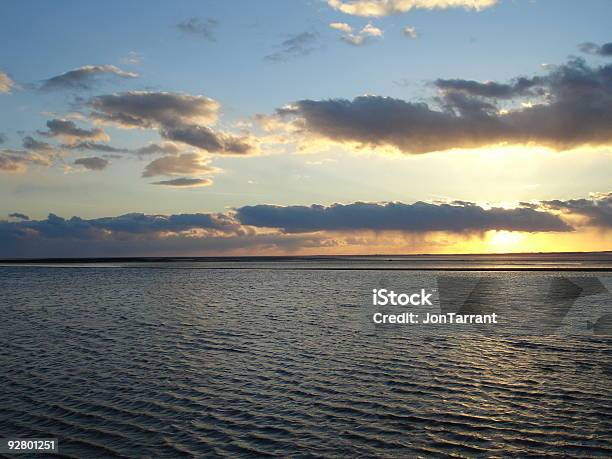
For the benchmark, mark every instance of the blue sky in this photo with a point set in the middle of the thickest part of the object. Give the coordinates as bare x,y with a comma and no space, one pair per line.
238,57
42,39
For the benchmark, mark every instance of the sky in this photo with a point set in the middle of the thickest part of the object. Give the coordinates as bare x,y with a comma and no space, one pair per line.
234,127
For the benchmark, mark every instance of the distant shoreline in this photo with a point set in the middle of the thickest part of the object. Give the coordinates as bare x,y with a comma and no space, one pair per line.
544,262
263,258
324,268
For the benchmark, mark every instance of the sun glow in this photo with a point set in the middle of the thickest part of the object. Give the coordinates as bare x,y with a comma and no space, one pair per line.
505,241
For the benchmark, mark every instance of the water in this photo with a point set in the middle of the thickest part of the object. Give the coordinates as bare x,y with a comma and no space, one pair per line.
147,360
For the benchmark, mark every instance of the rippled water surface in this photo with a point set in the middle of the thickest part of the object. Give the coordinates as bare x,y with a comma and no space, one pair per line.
148,362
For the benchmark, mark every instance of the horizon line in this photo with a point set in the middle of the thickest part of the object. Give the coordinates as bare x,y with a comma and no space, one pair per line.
319,256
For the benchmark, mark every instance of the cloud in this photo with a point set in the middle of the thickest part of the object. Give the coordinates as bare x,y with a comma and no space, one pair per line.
70,133
364,36
12,163
206,139
84,78
377,8
417,217
185,182
155,148
139,109
93,146
519,87
39,153
341,26
203,28
373,121
604,50
282,229
185,164
298,45
164,148
410,32
597,209
92,163
179,117
30,143
6,83
142,235
128,224
573,109
19,216
2,138
17,161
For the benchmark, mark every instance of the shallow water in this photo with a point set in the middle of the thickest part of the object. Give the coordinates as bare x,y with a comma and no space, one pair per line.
166,362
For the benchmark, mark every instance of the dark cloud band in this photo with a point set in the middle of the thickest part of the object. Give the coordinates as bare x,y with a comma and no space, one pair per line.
418,217
267,227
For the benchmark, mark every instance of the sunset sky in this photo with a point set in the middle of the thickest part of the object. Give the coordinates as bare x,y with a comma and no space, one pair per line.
304,127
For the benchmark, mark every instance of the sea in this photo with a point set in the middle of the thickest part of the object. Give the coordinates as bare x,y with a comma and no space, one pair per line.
281,357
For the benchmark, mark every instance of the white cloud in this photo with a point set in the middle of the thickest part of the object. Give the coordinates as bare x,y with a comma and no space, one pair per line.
371,31
378,8
357,39
342,27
